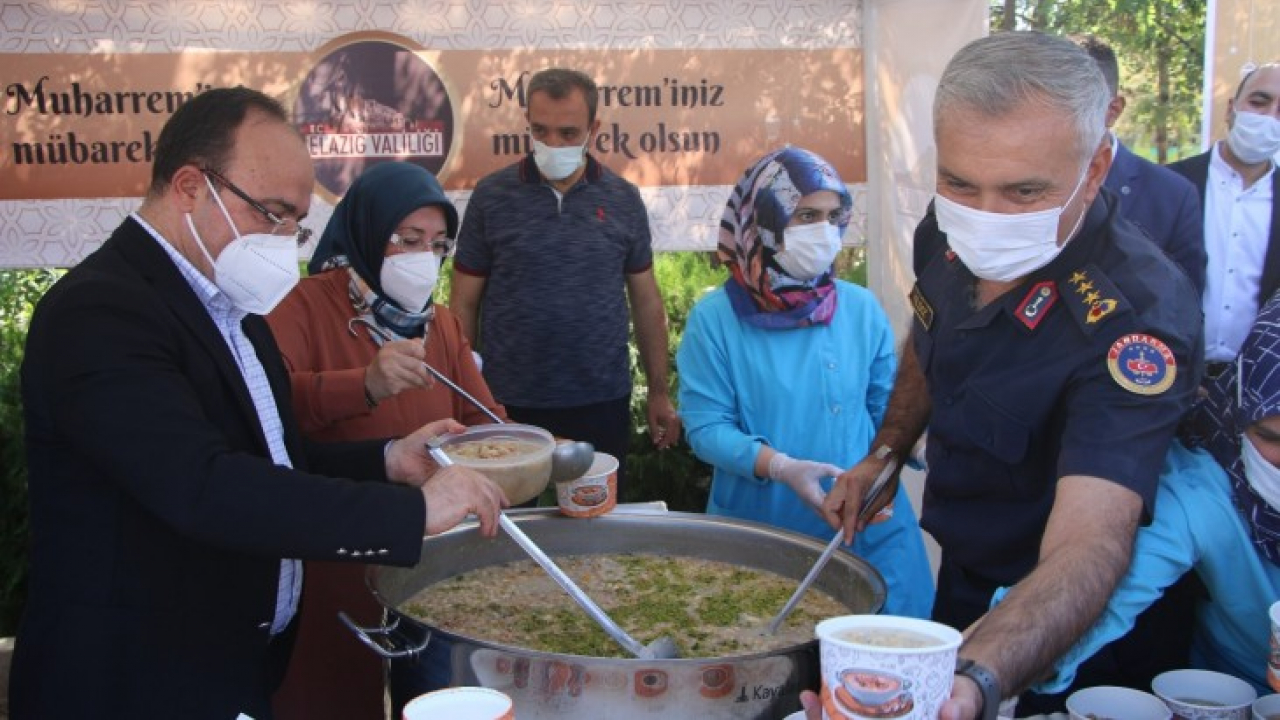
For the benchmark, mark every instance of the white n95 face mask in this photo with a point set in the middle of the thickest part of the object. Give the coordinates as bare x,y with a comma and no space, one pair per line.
1254,137
1004,246
808,250
255,271
410,278
1261,475
558,163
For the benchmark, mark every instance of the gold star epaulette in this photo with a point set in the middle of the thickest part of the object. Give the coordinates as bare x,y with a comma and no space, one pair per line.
1092,298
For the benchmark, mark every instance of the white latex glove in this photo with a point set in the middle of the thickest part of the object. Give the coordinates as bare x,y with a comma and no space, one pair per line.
803,477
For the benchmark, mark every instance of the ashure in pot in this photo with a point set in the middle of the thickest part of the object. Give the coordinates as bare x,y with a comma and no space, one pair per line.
551,685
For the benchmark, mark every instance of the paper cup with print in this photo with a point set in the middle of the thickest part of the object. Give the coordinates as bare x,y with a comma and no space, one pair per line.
884,666
1273,659
1205,694
460,703
595,493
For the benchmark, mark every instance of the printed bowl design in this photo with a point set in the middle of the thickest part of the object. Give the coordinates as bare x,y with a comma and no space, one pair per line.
872,687
590,495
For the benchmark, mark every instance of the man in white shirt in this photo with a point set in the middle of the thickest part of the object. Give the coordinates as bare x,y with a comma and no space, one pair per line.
1239,186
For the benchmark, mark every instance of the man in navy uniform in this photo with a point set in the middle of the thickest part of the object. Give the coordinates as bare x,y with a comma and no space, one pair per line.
1160,201
1053,351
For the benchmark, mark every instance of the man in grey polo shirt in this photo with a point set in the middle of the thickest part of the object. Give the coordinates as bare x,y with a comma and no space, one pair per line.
546,249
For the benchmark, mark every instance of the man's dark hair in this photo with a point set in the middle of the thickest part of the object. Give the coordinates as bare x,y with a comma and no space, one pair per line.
1102,54
557,83
202,130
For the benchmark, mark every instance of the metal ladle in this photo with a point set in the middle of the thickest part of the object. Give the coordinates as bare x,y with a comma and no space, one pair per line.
664,648
570,459
877,487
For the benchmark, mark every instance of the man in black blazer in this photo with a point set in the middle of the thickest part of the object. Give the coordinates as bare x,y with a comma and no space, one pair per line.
1159,201
170,488
1240,193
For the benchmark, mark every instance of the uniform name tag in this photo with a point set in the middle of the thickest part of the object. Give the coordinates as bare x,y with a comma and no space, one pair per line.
922,308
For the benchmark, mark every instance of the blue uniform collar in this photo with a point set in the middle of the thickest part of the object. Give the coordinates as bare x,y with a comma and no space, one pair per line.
1031,299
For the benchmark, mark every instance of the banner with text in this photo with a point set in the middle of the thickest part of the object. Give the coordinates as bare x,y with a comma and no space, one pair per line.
85,126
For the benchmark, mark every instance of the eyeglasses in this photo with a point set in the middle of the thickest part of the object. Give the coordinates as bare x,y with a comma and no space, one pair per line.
280,226
441,246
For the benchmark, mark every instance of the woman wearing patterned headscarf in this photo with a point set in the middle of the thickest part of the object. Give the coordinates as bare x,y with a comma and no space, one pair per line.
1221,519
354,336
785,371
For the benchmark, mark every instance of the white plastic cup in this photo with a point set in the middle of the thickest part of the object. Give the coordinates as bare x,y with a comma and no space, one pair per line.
864,677
1266,707
1205,694
460,703
1116,702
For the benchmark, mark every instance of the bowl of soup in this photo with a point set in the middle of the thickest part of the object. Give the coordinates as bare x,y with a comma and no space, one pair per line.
871,687
517,458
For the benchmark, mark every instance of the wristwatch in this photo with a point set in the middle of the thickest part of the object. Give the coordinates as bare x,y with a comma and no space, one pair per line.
987,683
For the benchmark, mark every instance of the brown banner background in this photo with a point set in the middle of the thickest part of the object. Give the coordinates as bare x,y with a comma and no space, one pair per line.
766,98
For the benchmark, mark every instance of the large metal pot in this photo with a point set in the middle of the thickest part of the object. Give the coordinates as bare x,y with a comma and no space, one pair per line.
550,685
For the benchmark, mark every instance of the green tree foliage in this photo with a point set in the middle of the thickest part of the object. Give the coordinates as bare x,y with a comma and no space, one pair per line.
1160,44
19,291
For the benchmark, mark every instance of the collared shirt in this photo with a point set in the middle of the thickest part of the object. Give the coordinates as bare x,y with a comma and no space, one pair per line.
1084,369
1237,223
554,319
228,317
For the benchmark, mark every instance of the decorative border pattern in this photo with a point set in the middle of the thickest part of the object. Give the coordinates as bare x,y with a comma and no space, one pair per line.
160,26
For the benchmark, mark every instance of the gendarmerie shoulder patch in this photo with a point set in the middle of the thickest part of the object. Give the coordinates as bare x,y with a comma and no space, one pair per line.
1142,364
1035,306
1092,298
921,306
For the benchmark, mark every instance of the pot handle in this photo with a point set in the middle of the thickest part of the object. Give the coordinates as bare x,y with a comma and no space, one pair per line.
387,645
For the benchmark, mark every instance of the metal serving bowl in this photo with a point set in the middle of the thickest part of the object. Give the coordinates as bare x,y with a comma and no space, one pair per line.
551,685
